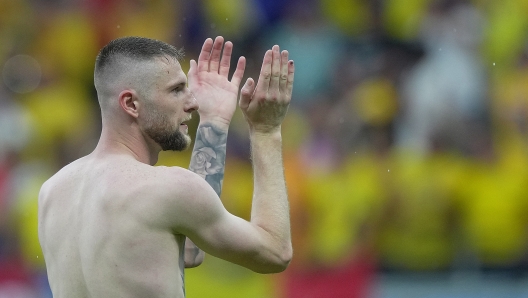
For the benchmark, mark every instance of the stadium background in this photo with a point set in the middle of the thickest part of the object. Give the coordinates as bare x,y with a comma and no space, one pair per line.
405,147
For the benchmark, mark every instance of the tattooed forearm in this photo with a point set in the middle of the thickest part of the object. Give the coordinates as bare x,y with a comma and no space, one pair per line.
209,153
208,161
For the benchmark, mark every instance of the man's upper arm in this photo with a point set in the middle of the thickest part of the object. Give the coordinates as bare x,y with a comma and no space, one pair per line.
195,210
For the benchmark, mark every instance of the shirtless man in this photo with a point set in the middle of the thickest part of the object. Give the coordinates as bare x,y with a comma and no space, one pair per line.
113,225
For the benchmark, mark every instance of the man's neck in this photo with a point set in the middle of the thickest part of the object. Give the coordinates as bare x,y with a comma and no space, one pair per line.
129,142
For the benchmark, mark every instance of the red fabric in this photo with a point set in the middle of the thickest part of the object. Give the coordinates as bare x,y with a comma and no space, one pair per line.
351,280
12,269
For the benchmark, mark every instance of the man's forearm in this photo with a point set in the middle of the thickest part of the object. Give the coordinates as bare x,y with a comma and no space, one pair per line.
208,161
270,209
209,154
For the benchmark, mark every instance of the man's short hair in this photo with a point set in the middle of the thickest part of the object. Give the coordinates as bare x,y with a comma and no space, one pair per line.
121,58
136,48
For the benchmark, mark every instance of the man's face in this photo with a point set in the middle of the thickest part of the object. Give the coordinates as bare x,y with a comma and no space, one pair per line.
167,104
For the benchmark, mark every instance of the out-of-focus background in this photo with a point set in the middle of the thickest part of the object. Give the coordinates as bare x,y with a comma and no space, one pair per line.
405,147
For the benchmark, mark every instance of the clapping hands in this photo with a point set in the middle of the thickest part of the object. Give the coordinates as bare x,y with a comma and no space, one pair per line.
265,105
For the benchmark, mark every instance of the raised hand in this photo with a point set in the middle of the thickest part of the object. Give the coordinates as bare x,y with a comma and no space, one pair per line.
209,83
216,96
265,105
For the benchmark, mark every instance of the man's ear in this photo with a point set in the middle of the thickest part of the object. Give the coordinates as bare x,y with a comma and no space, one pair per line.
128,101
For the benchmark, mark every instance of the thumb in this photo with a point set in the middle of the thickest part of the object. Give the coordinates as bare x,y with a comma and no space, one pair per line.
246,93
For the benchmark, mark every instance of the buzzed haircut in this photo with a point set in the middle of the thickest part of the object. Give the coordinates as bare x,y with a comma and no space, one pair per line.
136,48
121,59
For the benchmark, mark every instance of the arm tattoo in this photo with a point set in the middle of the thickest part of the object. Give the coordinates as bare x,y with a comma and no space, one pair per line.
209,154
208,161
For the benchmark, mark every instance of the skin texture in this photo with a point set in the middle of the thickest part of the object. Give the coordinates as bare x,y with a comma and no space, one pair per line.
113,225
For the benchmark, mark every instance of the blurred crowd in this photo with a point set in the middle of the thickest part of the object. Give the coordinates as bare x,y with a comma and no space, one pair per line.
405,147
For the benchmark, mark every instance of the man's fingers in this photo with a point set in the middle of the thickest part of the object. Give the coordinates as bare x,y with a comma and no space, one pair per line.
289,85
275,70
239,71
283,80
265,73
205,55
246,94
226,59
214,62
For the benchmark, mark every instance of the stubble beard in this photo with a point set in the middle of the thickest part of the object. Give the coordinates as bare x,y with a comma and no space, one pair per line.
159,129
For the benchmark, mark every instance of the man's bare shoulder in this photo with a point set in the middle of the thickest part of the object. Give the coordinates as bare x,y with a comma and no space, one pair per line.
181,197
177,187
177,177
125,169
154,188
61,175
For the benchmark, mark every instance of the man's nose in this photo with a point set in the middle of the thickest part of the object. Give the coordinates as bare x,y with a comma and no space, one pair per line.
192,103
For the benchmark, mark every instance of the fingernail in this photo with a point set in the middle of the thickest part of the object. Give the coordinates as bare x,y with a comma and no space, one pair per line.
250,82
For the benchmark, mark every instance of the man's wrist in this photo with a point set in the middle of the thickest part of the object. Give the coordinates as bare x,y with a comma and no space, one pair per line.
265,130
218,123
272,134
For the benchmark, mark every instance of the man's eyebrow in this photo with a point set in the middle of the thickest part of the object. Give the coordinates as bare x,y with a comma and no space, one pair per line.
177,83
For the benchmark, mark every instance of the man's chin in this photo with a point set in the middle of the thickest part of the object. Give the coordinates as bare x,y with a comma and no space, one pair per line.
183,146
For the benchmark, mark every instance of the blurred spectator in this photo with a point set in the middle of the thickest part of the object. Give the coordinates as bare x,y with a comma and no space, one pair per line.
496,204
14,127
419,228
343,209
495,213
313,44
447,89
